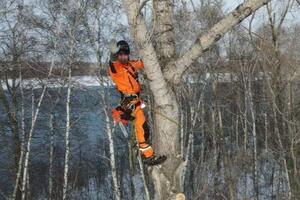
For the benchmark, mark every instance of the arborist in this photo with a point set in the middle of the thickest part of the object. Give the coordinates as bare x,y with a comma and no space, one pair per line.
124,73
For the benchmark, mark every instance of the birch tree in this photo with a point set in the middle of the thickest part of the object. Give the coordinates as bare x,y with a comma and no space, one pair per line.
67,138
13,46
51,157
30,135
95,19
230,126
164,69
279,88
21,159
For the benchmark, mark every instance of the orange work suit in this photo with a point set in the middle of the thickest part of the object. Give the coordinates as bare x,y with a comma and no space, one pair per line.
125,78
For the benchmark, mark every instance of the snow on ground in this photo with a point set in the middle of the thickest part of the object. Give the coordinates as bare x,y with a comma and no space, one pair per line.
76,81
94,81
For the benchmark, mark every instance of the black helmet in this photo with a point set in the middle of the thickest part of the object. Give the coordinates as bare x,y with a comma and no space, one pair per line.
123,47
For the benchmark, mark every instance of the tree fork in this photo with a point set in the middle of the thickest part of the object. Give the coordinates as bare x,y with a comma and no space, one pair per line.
168,178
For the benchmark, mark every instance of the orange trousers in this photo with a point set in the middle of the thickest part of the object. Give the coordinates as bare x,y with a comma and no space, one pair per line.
142,132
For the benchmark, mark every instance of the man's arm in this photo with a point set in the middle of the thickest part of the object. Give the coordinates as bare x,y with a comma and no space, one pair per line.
112,57
137,64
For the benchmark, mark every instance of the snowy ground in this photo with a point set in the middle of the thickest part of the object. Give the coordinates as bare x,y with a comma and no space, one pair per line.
79,81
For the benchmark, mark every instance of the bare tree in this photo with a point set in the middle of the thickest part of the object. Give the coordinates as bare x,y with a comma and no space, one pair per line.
225,113
166,117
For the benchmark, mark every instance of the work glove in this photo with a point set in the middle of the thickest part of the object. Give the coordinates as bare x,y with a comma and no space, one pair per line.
113,48
119,115
116,114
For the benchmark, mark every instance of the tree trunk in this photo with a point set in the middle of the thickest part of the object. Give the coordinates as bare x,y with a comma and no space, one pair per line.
166,118
51,157
163,30
116,187
67,139
253,120
17,192
28,145
282,153
167,179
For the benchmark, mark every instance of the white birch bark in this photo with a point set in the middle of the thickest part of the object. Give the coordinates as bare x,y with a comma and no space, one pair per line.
141,165
20,4
176,68
110,131
226,160
253,119
163,30
51,152
166,115
28,186
182,134
67,139
28,145
245,115
21,159
237,132
25,154
215,150
283,156
112,159
203,131
94,42
266,131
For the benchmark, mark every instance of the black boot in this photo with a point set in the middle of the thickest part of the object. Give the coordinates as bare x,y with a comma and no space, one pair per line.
154,160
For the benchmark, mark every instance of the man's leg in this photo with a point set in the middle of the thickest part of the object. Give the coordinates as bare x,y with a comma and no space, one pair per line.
142,132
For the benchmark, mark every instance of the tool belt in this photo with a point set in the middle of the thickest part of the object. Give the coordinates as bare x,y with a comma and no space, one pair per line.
130,101
123,113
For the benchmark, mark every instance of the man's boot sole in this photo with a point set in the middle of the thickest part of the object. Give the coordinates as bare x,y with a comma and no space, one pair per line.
158,161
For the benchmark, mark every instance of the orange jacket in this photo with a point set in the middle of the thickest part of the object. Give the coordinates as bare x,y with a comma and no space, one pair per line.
125,76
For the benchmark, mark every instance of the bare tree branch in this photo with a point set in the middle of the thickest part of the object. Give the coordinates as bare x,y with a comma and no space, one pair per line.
174,70
141,37
143,4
